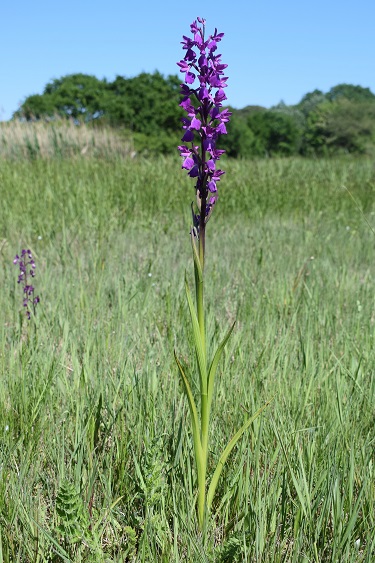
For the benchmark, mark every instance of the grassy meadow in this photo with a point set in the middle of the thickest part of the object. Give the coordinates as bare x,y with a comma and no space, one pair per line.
96,461
61,139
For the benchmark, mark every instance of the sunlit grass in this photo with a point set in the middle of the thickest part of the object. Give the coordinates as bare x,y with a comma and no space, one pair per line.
61,139
89,402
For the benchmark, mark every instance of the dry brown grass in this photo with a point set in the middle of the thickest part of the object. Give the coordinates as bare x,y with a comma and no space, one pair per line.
61,139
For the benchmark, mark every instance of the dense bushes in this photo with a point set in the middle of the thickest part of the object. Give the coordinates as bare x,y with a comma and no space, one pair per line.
339,121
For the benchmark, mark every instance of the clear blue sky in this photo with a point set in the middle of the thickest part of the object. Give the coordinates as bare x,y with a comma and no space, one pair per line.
275,50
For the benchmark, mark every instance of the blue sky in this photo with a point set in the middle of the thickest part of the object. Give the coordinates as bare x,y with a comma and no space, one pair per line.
275,50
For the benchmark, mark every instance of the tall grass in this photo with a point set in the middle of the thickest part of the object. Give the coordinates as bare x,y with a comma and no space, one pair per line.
61,139
95,457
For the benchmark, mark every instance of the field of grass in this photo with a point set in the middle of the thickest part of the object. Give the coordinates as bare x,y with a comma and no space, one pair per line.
61,139
96,461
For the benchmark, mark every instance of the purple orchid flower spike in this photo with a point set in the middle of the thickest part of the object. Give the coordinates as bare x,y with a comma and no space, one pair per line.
26,265
203,97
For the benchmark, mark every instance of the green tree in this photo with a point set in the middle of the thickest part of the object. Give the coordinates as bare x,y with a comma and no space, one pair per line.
274,132
340,121
350,92
240,140
78,96
152,103
310,101
341,126
36,107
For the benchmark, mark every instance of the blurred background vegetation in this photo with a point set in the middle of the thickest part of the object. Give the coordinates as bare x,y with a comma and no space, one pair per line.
144,111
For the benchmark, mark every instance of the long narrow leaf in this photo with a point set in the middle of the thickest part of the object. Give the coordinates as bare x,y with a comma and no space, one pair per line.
352,520
293,476
193,412
57,548
199,345
226,452
214,364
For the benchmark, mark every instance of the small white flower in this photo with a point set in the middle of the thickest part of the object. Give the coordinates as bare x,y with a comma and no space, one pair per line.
7,428
39,237
357,543
149,275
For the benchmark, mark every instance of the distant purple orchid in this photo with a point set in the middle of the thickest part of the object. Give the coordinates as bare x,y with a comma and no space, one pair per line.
27,268
204,120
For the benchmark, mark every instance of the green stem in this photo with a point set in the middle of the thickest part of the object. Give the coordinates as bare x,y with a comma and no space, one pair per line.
199,296
204,384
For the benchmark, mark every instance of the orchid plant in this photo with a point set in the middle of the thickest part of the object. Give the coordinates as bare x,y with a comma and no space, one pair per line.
26,265
203,96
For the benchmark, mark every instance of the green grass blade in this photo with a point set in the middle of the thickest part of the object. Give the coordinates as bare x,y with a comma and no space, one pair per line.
297,487
352,520
199,345
227,451
193,411
58,549
214,364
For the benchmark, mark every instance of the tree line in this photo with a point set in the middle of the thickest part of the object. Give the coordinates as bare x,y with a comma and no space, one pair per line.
340,121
